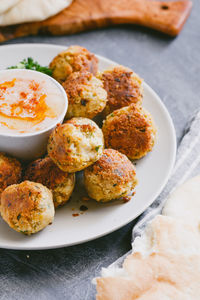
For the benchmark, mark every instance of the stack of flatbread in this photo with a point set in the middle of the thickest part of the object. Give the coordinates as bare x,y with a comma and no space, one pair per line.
21,11
165,263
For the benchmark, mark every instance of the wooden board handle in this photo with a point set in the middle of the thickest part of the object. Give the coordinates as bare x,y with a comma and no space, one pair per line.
168,17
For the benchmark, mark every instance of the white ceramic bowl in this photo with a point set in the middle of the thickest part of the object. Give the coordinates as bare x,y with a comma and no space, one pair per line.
32,145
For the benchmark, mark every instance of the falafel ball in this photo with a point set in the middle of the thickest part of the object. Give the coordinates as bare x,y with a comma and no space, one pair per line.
130,130
46,172
86,95
111,177
27,207
123,87
75,144
10,171
73,59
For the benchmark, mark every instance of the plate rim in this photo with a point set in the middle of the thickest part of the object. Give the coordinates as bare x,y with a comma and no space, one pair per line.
154,195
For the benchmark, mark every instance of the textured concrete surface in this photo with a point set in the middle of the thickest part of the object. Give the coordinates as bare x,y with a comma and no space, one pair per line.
171,67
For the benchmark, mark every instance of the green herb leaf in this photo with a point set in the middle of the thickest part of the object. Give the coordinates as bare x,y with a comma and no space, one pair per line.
97,148
30,64
18,217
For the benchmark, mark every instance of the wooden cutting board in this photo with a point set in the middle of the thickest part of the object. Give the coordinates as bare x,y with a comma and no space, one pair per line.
168,17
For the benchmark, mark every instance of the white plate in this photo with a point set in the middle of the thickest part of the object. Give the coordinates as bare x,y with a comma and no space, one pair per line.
153,172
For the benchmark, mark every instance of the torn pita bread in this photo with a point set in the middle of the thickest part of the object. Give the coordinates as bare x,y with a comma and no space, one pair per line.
166,268
7,4
169,236
184,203
32,10
157,277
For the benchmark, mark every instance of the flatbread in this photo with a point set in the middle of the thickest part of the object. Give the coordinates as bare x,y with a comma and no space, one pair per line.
168,236
184,203
165,264
157,277
32,10
7,4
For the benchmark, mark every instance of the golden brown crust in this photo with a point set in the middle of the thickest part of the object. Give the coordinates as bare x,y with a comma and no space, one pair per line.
113,165
57,149
86,95
87,127
17,201
75,144
123,88
24,193
74,59
45,171
10,171
27,207
111,177
74,84
129,130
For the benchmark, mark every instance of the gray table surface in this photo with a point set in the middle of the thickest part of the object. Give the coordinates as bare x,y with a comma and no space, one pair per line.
170,67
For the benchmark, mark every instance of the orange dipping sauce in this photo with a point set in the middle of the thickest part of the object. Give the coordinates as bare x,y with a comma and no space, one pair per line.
28,104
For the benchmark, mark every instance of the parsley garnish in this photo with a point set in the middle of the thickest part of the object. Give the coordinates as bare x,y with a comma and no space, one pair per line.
97,148
30,64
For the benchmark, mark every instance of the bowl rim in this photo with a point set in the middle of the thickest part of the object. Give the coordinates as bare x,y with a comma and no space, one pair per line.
58,120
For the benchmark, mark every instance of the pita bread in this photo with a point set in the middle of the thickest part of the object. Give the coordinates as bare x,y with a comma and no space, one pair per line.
157,277
32,10
7,4
166,268
169,236
184,203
